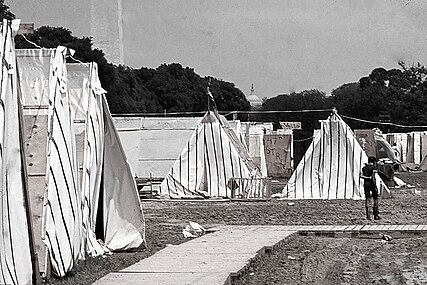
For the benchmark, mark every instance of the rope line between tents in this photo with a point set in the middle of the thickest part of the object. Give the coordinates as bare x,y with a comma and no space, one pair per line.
225,113
33,43
278,111
303,140
381,123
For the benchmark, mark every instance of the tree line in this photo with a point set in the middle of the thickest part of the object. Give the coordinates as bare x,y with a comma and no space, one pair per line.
392,97
167,88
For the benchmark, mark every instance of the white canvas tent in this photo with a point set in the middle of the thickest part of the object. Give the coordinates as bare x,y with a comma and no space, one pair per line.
18,264
66,202
401,141
252,136
423,164
103,160
416,147
331,166
85,99
51,158
214,163
123,220
384,150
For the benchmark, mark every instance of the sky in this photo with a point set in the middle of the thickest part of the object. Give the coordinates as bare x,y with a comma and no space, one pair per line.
280,46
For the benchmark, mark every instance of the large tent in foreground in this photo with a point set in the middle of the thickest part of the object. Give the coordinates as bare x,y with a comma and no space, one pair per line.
79,192
50,154
331,166
214,163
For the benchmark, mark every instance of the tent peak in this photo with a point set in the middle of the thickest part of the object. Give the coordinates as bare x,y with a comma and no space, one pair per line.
334,111
209,118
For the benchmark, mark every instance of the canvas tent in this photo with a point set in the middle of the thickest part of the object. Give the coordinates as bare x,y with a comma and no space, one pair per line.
69,180
103,160
384,149
423,164
18,264
123,220
416,147
50,155
373,142
252,136
85,98
401,142
412,147
331,167
214,163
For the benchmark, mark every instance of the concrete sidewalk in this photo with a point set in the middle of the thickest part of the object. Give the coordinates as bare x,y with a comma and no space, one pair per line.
216,258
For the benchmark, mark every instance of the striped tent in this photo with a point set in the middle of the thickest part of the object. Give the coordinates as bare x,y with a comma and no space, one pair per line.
214,163
85,98
401,141
74,158
106,178
17,262
416,147
331,166
62,211
50,153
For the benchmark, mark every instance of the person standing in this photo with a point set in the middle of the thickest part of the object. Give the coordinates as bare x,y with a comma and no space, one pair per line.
371,191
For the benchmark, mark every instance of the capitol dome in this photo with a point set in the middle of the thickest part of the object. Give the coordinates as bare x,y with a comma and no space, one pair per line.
253,99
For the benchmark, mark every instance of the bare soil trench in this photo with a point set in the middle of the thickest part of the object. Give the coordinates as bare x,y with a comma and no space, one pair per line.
326,260
302,260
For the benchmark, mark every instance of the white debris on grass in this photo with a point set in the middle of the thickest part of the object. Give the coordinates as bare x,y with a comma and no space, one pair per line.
193,230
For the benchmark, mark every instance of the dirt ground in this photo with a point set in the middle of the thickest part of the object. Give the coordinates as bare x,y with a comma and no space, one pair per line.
302,260
323,260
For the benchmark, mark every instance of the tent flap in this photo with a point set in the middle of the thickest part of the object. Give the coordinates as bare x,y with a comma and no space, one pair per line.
124,226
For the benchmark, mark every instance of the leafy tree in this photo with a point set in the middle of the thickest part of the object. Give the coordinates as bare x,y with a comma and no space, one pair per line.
398,96
51,37
228,97
305,100
170,87
179,89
